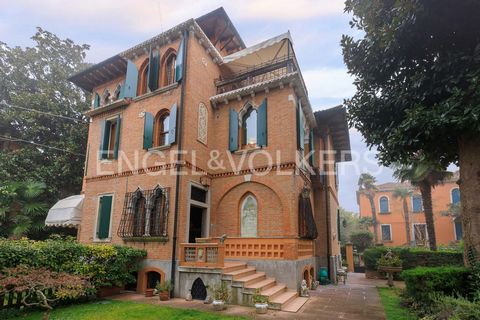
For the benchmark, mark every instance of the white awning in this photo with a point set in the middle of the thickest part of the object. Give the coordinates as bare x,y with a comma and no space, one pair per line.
260,53
66,212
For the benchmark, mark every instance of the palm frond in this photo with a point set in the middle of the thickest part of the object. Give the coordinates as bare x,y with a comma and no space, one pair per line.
33,189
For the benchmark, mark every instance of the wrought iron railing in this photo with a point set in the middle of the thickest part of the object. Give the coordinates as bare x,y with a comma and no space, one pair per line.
256,74
145,215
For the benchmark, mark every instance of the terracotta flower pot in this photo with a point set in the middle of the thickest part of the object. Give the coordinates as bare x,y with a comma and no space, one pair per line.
390,269
149,293
164,295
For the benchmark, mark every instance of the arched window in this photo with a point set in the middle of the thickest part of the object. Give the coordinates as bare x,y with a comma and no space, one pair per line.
169,68
143,78
417,205
455,195
249,127
161,128
248,217
106,97
139,210
384,207
117,92
157,215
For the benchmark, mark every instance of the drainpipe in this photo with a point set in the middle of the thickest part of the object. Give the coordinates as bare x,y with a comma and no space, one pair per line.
327,204
179,158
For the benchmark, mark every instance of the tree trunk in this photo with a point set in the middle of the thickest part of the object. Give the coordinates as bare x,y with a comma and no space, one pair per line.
407,221
426,191
469,156
374,219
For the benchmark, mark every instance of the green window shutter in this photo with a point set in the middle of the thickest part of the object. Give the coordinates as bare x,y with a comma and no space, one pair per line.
300,127
105,135
311,145
262,136
233,134
104,213
96,101
148,131
172,125
153,68
117,137
179,60
131,80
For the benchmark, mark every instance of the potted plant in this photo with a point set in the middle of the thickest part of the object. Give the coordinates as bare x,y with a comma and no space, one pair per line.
260,302
164,290
221,295
149,292
390,264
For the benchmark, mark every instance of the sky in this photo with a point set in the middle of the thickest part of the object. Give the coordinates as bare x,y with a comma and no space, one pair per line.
111,26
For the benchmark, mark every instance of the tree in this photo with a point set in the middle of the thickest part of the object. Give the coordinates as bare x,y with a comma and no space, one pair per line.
34,79
23,208
416,66
366,185
404,193
361,240
425,175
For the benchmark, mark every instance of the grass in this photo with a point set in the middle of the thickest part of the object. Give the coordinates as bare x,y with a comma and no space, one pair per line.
114,310
391,303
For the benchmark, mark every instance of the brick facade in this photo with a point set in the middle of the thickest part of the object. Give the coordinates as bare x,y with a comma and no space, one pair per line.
272,174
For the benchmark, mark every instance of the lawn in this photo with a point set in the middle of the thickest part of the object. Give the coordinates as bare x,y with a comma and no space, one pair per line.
391,303
115,310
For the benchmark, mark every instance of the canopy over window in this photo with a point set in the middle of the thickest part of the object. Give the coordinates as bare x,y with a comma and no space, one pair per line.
66,212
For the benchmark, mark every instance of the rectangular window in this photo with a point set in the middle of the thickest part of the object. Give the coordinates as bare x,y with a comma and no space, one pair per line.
104,214
417,205
386,232
110,138
198,194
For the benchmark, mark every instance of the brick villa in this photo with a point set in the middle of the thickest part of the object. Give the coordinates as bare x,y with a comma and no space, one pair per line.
207,154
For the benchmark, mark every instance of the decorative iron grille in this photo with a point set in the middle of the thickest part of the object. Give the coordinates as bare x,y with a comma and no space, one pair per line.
145,214
307,228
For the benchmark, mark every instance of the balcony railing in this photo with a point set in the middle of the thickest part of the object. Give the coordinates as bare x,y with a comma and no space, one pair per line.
256,74
202,255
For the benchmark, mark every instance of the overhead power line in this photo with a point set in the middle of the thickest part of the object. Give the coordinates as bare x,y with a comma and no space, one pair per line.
6,138
4,103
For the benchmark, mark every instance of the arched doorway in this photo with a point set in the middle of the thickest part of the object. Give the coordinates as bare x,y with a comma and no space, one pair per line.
199,291
153,278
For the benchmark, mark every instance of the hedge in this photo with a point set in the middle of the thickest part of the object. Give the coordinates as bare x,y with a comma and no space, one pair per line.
414,257
104,264
423,283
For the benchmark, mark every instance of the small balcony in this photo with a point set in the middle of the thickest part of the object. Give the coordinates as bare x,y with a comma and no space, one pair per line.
256,74
212,253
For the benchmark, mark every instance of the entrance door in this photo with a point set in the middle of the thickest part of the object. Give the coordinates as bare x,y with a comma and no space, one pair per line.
197,223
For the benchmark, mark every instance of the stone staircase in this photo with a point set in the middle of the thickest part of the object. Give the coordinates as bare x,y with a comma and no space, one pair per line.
245,280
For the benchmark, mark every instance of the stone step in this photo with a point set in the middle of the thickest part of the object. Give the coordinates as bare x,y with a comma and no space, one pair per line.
252,278
282,299
274,291
262,285
294,305
233,266
237,274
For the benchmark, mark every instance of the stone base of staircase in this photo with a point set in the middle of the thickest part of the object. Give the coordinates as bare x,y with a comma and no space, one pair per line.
244,280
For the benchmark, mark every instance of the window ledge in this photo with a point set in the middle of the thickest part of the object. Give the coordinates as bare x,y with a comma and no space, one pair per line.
106,161
108,107
385,212
247,150
387,241
102,240
146,239
158,91
159,148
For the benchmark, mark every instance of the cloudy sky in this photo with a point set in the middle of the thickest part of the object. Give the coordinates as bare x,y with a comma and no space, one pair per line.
111,26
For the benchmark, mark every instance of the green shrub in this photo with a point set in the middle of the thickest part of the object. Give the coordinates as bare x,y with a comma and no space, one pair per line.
361,240
414,257
422,282
454,308
104,264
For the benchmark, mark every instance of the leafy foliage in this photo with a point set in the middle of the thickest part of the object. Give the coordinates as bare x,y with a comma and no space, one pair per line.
413,257
24,208
34,282
36,78
105,265
361,240
221,292
165,286
366,185
451,307
422,282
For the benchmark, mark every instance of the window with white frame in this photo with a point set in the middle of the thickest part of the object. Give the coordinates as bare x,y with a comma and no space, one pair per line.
386,232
